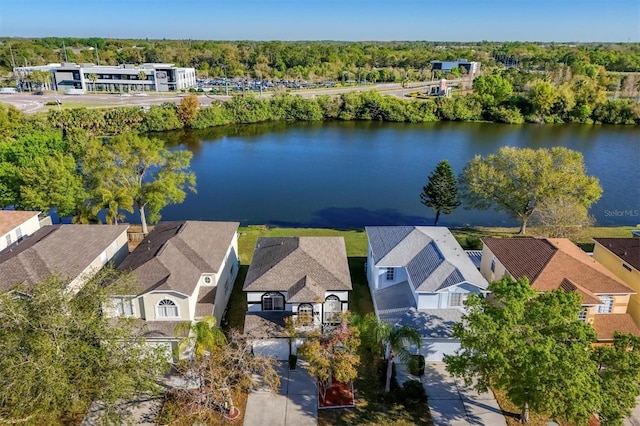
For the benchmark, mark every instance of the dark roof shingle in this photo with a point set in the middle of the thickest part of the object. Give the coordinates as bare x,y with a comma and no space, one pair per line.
627,249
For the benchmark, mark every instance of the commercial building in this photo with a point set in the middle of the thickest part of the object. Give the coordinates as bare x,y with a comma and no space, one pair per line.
151,77
471,67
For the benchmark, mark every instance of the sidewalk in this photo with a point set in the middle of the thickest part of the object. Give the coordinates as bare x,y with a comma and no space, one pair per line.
450,402
295,404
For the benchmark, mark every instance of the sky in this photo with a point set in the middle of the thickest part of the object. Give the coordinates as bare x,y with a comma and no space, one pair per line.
351,20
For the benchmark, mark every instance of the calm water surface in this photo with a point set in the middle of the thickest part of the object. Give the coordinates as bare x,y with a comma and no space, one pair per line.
353,174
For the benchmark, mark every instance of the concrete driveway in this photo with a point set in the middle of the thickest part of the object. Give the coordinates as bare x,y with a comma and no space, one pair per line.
296,403
634,419
450,402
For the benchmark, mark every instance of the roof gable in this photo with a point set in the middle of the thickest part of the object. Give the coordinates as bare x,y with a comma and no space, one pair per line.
11,219
431,255
314,264
175,254
522,256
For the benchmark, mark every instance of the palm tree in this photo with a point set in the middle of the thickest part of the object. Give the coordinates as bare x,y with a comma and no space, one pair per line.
203,336
378,335
113,202
93,79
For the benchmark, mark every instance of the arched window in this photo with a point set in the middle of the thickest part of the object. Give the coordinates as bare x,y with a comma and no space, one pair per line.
305,314
332,309
273,302
167,309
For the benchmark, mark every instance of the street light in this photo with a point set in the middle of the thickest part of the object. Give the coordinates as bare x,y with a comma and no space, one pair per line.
226,79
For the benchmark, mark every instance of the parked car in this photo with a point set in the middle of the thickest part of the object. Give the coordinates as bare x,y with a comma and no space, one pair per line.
39,92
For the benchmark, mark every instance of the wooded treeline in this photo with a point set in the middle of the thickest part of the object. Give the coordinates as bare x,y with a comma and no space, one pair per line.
315,59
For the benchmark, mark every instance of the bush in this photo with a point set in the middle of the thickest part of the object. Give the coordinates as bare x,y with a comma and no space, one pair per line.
412,393
473,243
416,365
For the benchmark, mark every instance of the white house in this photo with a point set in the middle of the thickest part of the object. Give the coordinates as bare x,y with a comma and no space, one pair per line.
306,278
185,270
15,225
73,252
420,276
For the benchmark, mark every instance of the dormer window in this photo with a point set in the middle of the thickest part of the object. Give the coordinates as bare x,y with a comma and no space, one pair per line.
607,305
167,309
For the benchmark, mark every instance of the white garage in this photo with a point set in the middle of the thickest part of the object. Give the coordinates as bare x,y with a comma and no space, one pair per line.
434,350
278,348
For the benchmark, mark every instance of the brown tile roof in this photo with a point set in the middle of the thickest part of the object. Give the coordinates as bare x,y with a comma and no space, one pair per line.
588,298
64,250
280,264
175,254
11,219
606,324
548,262
627,249
522,257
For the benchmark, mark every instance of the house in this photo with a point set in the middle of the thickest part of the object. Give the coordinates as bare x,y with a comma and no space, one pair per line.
184,270
472,68
306,278
72,252
622,257
557,263
420,276
15,225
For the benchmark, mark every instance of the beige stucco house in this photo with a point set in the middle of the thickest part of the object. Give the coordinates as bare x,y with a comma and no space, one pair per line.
306,278
17,224
622,257
557,263
184,270
73,252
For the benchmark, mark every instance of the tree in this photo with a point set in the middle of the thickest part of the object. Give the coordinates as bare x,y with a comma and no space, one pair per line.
492,89
332,354
562,217
543,95
378,334
188,109
143,77
441,192
58,353
52,183
142,170
517,180
532,346
619,373
93,78
202,337
228,368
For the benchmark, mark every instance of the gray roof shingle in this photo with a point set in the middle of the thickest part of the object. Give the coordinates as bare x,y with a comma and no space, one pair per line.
175,254
63,250
281,263
431,255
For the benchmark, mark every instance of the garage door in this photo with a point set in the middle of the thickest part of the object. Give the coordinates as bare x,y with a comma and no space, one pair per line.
436,349
278,348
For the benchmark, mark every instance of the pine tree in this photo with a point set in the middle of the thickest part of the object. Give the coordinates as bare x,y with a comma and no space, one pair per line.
441,192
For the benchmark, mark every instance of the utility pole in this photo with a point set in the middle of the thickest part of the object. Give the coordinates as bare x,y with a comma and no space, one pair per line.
97,57
66,59
13,61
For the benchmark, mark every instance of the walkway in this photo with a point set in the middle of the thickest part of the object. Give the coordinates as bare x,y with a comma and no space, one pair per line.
296,403
450,402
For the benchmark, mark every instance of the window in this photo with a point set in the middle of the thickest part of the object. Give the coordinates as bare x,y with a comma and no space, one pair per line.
624,265
8,239
457,299
582,315
103,257
390,273
207,280
493,264
167,309
332,309
114,247
123,306
19,234
228,285
607,305
273,302
305,314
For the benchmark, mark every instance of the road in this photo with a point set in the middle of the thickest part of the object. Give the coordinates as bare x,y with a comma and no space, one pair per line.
30,103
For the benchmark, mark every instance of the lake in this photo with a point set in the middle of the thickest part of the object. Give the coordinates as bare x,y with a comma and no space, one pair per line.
353,174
